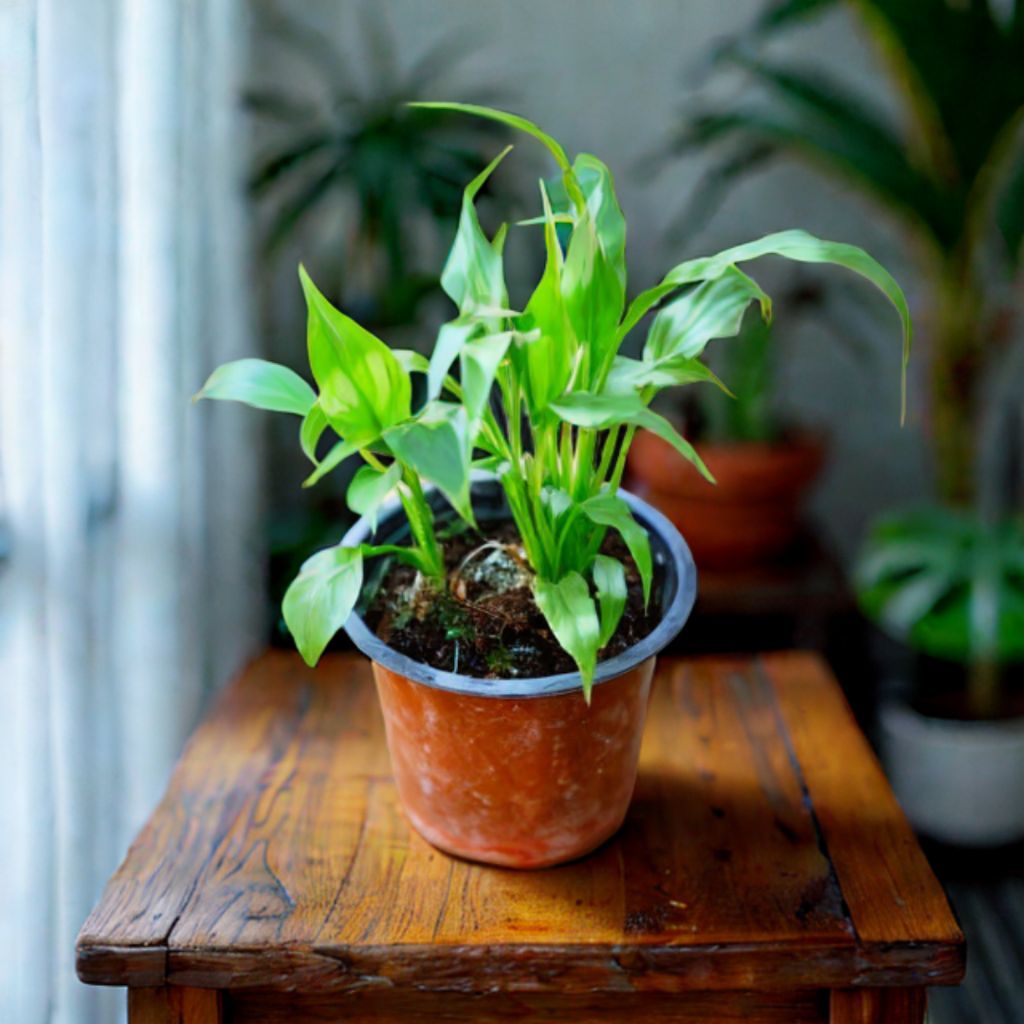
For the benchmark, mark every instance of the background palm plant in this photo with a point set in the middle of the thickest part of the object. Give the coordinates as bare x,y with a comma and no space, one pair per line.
953,174
394,174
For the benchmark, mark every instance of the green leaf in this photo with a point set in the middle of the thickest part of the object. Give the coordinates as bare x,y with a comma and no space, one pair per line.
521,124
369,488
714,309
946,583
450,341
634,375
436,445
512,120
598,188
473,276
314,423
334,458
607,509
320,599
604,411
363,388
569,610
794,245
479,361
545,363
260,384
410,360
610,584
594,297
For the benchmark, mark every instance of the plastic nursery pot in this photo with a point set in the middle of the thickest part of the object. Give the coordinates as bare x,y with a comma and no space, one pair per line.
752,513
520,772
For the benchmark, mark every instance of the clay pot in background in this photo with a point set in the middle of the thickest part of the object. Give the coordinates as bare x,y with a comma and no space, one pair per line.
753,513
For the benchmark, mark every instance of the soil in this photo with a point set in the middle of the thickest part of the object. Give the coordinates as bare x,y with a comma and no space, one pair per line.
485,623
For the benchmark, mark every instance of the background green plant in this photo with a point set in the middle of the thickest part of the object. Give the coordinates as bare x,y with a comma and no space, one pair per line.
952,173
341,147
543,399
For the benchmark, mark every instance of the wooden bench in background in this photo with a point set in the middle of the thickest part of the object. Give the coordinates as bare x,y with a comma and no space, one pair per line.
765,873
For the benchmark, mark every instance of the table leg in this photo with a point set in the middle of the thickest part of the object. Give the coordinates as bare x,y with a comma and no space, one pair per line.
877,1006
175,1005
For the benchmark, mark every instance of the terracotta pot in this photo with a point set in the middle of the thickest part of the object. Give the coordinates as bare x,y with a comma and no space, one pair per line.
751,515
521,772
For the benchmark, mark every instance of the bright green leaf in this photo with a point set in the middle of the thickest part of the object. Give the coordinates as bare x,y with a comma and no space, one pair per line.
604,411
436,444
569,610
714,309
363,388
479,361
321,598
260,384
334,458
369,488
610,584
610,510
314,423
473,276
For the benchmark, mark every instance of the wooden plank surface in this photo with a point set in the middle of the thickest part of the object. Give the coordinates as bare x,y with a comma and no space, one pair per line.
280,859
537,1008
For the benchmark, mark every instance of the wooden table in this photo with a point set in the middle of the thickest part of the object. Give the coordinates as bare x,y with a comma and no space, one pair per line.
764,873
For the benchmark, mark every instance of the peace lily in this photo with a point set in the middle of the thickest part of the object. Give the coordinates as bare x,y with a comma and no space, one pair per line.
541,397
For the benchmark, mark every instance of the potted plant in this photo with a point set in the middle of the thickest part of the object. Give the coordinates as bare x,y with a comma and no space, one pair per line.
761,467
951,173
513,619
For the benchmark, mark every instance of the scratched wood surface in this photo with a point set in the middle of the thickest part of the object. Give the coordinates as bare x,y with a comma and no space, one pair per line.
763,851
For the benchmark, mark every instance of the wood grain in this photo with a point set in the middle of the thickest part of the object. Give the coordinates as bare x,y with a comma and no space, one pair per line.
891,894
877,1006
280,860
460,1008
170,1005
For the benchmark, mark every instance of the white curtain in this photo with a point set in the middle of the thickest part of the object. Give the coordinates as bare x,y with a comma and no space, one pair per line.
130,565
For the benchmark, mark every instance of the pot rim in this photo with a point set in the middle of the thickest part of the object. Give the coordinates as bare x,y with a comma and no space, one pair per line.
676,611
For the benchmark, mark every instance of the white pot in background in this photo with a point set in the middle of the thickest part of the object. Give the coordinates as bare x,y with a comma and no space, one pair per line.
960,782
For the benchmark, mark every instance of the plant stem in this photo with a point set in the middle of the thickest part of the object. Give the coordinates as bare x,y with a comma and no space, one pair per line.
421,522
983,688
956,366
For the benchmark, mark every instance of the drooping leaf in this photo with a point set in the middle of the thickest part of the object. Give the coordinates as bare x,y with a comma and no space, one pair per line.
794,245
634,375
714,309
320,599
512,120
363,388
261,384
569,610
369,488
610,510
436,444
610,584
